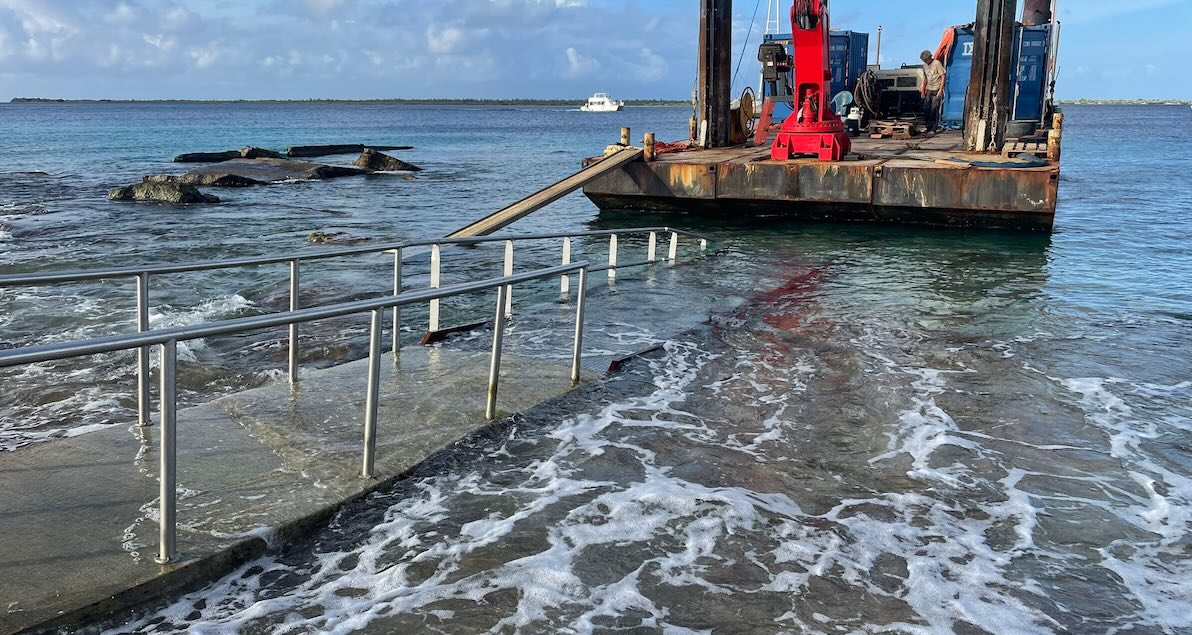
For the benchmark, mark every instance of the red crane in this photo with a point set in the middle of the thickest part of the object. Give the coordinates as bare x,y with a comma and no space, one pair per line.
813,128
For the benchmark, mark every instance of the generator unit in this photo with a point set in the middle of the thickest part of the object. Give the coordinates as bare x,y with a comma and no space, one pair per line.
899,92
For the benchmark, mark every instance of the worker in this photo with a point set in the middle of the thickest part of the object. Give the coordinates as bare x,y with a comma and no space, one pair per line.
932,89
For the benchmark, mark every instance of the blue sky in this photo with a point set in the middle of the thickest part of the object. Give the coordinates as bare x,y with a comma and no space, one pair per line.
296,49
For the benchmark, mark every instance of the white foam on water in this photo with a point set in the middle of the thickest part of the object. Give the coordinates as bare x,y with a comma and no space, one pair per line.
951,544
1156,571
207,311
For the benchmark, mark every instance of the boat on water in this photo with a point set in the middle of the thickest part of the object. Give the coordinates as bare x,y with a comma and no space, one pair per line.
601,102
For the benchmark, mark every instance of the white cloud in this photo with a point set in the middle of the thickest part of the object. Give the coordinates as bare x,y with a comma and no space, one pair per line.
323,7
580,65
443,41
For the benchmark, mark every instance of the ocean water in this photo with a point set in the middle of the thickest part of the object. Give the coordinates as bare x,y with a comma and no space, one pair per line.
869,429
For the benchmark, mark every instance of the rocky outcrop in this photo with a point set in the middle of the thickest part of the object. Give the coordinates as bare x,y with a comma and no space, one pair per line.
158,192
328,150
259,171
248,152
258,153
207,157
208,180
380,162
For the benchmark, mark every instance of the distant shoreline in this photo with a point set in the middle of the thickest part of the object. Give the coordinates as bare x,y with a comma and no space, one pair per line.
1124,102
346,102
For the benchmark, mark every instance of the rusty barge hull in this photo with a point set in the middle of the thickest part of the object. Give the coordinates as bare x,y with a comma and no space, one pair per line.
925,181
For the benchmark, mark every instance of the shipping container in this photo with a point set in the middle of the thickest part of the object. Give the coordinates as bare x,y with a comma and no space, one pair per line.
960,67
848,57
1029,78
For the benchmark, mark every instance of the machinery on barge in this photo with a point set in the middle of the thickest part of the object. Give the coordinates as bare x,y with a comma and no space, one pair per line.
839,139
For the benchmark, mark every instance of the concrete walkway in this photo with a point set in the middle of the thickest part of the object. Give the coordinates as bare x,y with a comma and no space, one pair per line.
78,515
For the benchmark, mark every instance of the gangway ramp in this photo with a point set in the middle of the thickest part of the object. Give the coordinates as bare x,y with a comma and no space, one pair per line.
546,196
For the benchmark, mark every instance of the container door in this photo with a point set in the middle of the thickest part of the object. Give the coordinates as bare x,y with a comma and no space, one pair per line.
838,58
1031,73
960,68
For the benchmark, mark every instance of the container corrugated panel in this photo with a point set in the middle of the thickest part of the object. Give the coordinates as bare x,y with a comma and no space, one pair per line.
960,68
1030,78
848,57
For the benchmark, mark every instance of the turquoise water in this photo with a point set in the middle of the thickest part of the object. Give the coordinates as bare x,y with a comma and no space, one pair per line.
879,429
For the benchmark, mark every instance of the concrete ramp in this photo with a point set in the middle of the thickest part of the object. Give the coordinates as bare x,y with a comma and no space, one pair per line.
78,515
546,196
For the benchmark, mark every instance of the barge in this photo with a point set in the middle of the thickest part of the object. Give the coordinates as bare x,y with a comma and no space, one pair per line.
974,176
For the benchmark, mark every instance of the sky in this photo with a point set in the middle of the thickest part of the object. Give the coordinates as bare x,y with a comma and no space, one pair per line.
634,49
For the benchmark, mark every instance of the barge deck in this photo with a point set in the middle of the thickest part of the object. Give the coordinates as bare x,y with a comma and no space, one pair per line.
928,180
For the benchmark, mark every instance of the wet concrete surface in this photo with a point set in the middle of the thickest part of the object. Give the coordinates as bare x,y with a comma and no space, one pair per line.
255,469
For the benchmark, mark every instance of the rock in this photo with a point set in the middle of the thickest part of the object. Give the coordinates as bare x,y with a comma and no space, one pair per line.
210,180
379,162
177,193
207,157
322,151
260,171
258,153
325,238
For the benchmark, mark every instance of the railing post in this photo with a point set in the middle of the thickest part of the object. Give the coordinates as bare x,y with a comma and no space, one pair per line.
436,264
577,352
612,257
565,281
167,550
373,395
652,250
673,254
294,301
509,272
396,309
494,366
143,377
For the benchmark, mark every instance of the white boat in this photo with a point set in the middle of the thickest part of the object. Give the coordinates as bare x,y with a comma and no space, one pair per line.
600,102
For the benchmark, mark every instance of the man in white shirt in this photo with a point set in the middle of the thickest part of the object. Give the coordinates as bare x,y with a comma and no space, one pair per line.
932,89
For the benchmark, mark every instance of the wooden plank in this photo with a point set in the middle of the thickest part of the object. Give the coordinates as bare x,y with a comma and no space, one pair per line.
548,195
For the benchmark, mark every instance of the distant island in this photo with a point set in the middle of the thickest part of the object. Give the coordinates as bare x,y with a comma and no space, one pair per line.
1124,102
352,102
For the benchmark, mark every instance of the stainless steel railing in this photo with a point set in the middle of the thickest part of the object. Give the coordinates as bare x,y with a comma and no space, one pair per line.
142,275
167,339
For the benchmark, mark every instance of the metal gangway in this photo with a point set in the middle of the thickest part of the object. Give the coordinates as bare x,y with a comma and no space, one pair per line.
167,339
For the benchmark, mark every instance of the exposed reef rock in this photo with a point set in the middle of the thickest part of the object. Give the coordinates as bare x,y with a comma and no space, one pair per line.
211,180
207,157
257,171
248,152
380,162
322,151
158,192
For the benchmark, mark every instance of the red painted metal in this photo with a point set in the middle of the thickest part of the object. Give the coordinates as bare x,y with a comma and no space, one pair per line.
813,128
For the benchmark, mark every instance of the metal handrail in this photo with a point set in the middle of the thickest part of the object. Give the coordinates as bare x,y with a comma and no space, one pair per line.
168,340
130,341
142,275
88,275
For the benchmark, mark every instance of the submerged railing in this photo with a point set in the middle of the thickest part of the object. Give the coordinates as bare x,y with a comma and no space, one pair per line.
143,274
167,340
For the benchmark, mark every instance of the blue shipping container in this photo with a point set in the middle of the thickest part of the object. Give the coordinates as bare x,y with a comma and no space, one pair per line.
1030,78
960,68
1032,45
848,57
